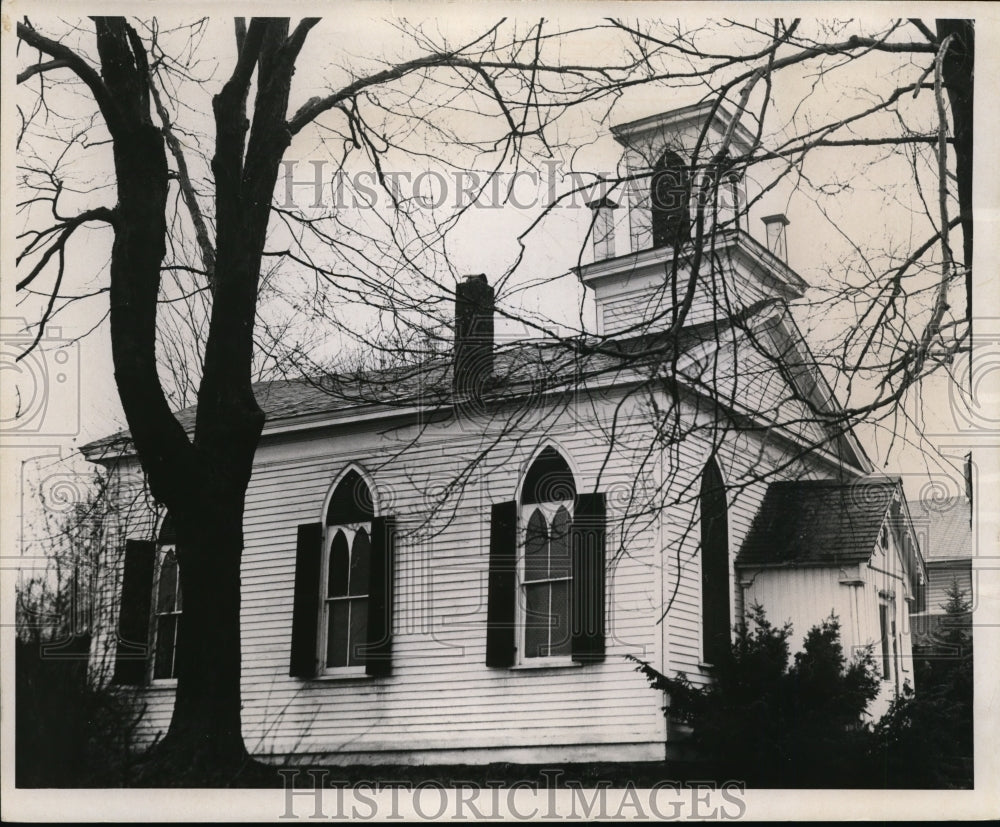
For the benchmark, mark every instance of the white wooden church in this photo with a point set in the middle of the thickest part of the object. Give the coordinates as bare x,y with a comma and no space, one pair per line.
449,563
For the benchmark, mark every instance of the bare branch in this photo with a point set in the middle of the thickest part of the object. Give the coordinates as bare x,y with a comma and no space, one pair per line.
80,67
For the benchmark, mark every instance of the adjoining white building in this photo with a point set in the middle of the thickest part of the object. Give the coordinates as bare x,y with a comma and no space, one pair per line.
449,562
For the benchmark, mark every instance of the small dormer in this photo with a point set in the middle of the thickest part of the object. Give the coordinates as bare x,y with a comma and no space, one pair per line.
683,188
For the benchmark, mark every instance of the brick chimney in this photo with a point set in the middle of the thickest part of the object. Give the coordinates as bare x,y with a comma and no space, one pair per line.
473,366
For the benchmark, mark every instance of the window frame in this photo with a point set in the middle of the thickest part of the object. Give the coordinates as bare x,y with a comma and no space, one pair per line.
549,509
670,224
162,550
322,637
889,643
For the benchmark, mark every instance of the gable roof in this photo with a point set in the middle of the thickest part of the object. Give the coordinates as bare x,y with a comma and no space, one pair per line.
526,369
818,522
532,367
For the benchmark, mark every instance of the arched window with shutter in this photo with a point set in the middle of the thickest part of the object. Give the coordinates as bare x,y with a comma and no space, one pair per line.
546,571
342,618
548,499
715,577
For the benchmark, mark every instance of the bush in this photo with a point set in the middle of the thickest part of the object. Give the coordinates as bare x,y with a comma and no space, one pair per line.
925,740
67,732
774,725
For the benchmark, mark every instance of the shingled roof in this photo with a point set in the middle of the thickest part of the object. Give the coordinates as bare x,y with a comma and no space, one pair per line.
818,521
945,527
528,367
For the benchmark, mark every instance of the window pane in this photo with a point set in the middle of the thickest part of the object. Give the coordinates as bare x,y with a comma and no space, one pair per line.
336,583
560,620
336,634
360,562
351,502
536,621
548,480
559,545
359,631
536,546
163,664
178,594
166,593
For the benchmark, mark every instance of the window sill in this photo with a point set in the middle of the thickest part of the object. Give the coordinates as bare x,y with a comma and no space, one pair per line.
546,663
163,683
347,673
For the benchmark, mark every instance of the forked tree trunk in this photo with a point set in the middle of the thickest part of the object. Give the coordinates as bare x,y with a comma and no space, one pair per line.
201,482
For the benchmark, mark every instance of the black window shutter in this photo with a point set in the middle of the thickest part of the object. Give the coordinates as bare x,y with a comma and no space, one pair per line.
588,541
132,653
378,652
502,597
305,611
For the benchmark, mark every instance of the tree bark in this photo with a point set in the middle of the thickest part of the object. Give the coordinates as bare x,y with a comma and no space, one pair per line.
203,481
204,744
958,70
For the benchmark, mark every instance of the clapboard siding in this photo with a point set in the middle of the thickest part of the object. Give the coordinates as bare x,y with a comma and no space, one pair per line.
441,695
748,463
941,574
806,596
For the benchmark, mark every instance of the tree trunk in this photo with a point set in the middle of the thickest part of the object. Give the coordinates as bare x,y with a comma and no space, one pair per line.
958,70
204,745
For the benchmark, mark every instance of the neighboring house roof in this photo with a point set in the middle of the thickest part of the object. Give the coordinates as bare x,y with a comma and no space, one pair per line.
818,521
944,526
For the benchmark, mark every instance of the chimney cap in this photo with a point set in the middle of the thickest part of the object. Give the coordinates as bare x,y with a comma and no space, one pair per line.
480,277
603,201
779,217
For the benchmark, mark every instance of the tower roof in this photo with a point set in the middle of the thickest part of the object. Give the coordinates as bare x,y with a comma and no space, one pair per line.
687,120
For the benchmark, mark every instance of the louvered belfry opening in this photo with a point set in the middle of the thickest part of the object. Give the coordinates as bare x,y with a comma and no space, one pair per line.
670,195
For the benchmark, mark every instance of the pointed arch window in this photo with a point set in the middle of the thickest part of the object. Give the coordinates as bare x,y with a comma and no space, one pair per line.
715,600
670,196
342,613
545,572
347,573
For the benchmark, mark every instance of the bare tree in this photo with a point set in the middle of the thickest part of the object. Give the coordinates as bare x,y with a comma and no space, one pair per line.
202,234
202,479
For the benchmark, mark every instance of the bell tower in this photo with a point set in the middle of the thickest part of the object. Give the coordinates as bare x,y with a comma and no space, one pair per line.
684,188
